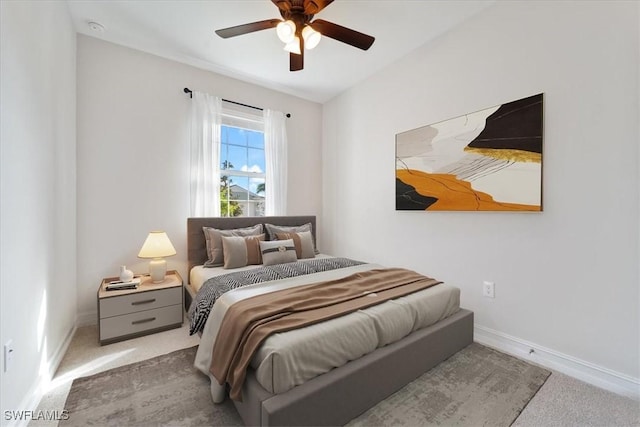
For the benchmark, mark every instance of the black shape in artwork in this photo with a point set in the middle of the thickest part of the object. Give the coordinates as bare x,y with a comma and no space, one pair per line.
408,199
516,125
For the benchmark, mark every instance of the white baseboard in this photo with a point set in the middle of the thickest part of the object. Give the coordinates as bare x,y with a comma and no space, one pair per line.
29,403
55,361
585,371
33,397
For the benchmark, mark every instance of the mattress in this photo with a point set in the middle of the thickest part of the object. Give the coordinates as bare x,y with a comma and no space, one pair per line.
288,359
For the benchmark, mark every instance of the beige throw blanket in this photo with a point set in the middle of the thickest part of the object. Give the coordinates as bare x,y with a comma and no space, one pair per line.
249,322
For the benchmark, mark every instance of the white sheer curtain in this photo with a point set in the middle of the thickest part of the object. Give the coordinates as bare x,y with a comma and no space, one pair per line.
275,147
206,112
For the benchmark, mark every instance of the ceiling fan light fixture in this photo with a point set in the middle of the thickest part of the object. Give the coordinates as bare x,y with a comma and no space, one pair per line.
293,46
311,37
286,31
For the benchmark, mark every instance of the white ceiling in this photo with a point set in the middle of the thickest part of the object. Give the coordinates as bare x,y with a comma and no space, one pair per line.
184,31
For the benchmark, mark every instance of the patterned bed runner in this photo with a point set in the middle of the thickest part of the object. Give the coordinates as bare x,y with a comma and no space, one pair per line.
215,287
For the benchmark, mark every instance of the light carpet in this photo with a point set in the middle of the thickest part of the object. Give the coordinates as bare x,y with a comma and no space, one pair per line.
476,386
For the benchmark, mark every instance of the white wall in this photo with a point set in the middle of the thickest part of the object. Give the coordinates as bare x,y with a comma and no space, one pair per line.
567,278
133,155
37,207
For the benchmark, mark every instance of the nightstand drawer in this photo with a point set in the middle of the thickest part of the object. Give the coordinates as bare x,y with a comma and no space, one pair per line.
120,326
140,301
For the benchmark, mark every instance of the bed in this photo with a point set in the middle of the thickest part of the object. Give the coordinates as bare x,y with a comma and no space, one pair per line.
341,394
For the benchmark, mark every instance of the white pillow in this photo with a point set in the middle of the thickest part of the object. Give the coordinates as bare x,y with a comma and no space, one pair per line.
240,251
278,252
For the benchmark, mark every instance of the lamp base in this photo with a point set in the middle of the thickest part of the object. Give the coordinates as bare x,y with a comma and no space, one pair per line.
157,269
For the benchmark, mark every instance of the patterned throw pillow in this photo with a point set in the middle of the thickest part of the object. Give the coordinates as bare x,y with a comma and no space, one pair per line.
278,252
303,242
213,238
241,251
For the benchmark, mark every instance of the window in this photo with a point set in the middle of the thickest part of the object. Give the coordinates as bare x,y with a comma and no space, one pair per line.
242,164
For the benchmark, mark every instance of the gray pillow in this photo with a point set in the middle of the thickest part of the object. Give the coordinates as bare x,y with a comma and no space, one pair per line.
278,252
272,230
303,241
213,238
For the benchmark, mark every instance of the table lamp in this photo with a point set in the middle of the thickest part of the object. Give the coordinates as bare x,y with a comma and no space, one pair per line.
157,246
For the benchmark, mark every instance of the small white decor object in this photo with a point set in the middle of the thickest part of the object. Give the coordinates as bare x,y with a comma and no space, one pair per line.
125,275
157,246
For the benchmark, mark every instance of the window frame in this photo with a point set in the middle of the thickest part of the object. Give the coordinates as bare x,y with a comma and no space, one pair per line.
234,116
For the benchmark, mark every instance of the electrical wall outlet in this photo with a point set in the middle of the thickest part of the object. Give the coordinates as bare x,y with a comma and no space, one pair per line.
488,289
8,355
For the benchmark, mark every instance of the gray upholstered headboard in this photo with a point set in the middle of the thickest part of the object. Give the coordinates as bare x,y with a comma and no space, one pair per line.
197,247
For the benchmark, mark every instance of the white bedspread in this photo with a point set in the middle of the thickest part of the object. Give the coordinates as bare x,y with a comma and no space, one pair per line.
291,358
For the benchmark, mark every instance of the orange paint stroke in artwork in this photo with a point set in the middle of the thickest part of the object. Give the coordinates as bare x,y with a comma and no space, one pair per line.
454,194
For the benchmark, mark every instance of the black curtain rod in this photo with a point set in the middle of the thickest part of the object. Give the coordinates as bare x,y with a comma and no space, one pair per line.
190,92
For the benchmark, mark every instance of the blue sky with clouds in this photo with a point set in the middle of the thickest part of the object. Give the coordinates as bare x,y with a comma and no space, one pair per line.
244,149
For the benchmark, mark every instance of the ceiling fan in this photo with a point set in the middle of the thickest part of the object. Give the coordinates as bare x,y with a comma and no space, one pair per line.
297,29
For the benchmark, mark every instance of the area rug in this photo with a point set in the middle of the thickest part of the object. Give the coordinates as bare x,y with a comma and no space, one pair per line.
476,386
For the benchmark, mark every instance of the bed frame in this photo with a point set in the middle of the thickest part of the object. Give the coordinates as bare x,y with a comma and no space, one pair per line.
344,393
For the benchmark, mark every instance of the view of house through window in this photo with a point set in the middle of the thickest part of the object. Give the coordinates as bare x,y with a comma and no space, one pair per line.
242,172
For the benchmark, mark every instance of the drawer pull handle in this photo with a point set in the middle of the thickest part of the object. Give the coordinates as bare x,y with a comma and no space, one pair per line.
147,301
137,322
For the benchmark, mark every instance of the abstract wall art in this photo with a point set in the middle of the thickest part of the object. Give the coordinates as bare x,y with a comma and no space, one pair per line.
490,160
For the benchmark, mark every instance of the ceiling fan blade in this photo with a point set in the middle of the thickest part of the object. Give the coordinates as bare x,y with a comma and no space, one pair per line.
296,62
311,7
239,30
342,34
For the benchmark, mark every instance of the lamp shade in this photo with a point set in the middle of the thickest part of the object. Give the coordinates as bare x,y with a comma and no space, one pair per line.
286,31
294,46
311,37
157,245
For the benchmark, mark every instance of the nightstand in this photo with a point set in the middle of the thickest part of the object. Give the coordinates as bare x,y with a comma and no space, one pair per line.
150,308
